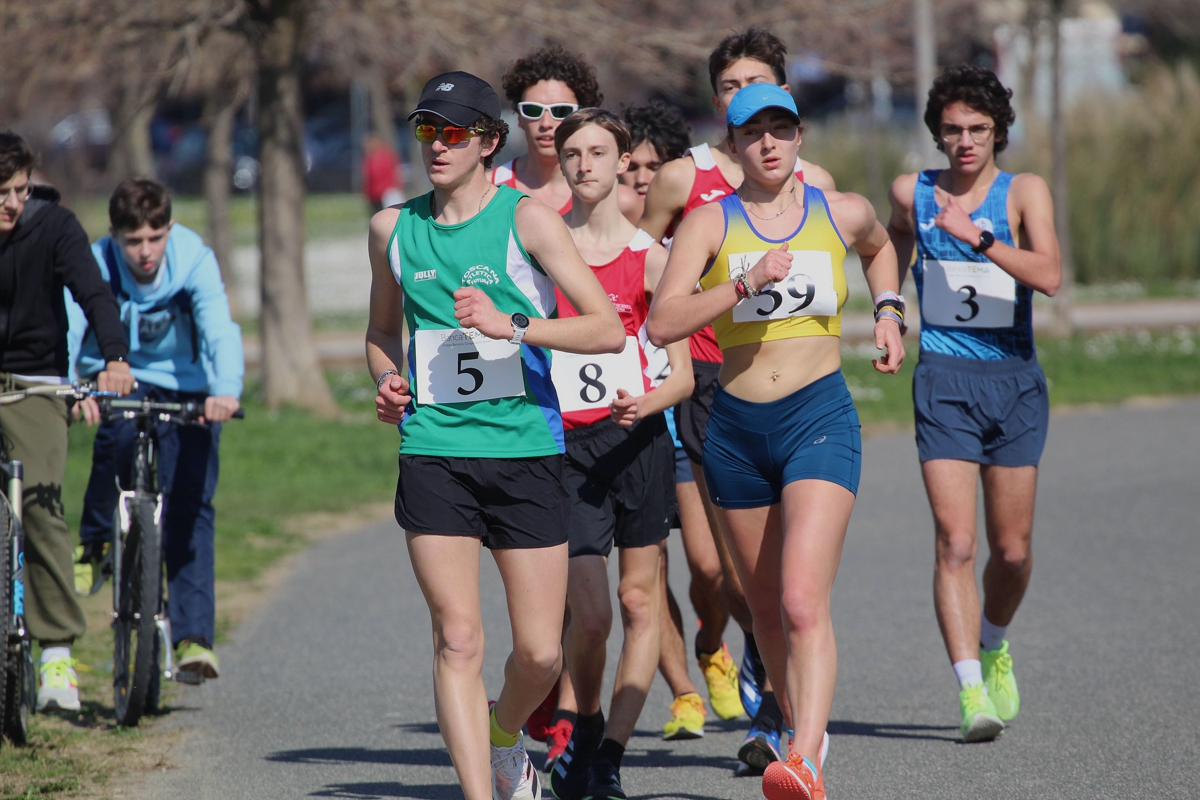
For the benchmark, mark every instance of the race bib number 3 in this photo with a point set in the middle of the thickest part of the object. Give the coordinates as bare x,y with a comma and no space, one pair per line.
455,365
968,294
807,291
591,381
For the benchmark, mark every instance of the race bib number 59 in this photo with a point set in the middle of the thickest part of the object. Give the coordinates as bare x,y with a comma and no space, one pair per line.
458,365
807,291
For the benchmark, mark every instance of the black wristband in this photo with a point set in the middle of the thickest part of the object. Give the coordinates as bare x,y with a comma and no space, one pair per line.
986,240
889,302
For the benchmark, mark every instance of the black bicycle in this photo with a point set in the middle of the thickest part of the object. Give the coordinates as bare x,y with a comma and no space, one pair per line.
142,653
18,677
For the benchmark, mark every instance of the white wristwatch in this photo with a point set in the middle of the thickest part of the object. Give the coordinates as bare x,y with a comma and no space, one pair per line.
520,324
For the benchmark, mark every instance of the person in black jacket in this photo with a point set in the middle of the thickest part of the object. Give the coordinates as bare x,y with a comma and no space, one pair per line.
42,249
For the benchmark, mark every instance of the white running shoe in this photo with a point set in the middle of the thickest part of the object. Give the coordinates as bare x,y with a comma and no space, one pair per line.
513,774
58,687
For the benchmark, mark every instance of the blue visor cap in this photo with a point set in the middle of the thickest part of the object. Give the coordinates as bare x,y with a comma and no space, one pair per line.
754,98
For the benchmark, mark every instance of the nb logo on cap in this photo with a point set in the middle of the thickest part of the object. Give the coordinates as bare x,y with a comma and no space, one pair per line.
444,87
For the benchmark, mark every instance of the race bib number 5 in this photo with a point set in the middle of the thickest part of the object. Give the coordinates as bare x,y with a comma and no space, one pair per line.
807,291
591,381
457,365
968,294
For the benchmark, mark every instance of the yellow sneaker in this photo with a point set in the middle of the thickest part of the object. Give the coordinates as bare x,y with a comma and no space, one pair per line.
687,718
1000,682
721,675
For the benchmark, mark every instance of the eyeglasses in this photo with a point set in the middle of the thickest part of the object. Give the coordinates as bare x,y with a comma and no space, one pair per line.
557,110
951,134
450,134
20,192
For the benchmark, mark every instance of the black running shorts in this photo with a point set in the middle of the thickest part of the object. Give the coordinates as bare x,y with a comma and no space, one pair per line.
691,415
510,503
621,485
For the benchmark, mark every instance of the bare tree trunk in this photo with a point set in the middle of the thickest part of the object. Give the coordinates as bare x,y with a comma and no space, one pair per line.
220,110
291,370
135,157
381,104
1063,324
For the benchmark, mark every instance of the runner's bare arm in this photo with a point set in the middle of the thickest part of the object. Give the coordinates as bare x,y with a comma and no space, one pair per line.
667,196
597,329
901,228
677,310
385,327
818,177
855,218
1036,262
678,384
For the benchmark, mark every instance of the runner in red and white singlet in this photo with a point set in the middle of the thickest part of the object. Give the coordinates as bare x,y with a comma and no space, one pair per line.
683,185
619,465
544,87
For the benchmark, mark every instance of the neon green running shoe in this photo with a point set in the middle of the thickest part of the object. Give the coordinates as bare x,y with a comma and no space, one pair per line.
195,657
1000,682
687,718
980,722
58,686
721,676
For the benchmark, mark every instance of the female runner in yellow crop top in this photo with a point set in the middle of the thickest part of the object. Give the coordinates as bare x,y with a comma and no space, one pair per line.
782,452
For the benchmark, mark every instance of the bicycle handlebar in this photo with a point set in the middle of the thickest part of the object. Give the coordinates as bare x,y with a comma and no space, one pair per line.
188,411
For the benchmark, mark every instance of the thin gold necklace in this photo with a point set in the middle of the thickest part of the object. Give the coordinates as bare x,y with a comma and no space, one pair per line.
779,214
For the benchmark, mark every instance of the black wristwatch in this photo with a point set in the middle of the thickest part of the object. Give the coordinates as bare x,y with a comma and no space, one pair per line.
986,240
520,324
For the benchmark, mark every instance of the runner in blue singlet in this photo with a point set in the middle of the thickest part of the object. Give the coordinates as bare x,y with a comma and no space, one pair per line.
984,242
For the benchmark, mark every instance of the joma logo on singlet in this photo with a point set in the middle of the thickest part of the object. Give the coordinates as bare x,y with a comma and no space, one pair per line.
425,275
623,307
480,274
708,197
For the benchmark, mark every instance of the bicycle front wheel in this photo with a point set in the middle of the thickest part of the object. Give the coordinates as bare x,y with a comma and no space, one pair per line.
138,600
7,636
20,686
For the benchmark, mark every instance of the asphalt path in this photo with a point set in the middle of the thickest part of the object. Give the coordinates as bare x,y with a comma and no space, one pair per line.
326,691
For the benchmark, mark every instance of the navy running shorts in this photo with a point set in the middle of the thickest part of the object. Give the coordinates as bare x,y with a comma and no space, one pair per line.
989,412
691,415
753,450
683,467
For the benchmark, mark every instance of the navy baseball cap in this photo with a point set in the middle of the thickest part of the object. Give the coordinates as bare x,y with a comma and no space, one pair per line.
459,97
754,98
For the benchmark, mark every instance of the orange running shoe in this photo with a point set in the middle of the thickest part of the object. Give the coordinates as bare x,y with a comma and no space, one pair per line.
538,724
794,779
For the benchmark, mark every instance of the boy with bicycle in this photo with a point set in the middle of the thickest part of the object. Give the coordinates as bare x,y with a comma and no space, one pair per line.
44,245
183,346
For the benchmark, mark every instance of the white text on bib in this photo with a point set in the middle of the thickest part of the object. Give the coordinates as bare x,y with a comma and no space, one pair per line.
591,381
456,365
968,294
807,291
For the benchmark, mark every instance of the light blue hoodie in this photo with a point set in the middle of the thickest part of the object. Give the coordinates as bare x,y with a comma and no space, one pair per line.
181,335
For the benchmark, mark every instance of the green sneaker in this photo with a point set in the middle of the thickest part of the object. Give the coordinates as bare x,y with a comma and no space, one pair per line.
194,657
1000,682
58,686
980,722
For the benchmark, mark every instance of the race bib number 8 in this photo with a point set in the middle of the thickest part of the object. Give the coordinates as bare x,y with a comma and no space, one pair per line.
968,294
807,291
455,365
591,381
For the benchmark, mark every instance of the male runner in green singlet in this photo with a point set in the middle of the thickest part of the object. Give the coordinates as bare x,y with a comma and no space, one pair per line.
984,241
472,268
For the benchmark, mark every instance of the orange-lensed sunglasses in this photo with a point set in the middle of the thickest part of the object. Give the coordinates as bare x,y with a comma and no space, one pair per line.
450,134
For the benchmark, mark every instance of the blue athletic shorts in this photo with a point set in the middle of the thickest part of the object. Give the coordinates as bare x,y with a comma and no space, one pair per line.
753,450
683,467
989,412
